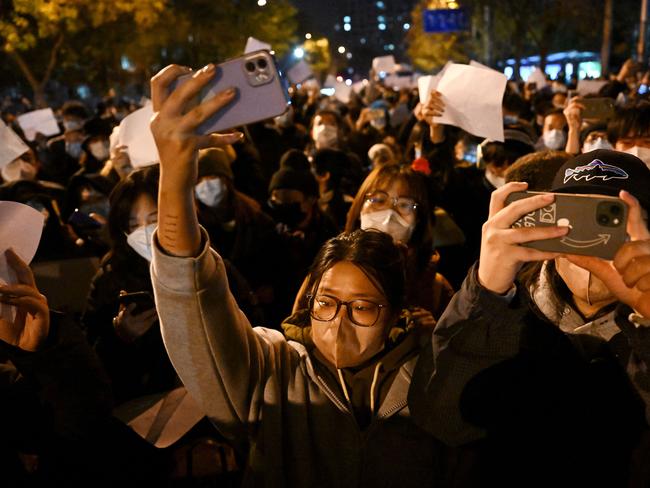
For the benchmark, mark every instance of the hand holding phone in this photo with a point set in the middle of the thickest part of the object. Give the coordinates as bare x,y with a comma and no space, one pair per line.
502,256
143,301
261,92
597,108
596,223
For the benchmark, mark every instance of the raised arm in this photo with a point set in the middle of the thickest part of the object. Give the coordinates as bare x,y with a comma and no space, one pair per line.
221,360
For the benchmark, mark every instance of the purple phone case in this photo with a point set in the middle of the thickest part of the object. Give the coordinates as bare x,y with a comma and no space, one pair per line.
252,103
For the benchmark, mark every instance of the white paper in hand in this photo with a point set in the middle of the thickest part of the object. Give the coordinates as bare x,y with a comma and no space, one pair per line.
330,82
11,146
21,227
587,87
136,135
42,121
253,44
425,85
538,77
476,64
342,92
299,72
473,98
384,64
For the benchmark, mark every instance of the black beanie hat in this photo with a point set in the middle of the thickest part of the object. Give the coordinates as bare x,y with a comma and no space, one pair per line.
605,172
214,162
291,179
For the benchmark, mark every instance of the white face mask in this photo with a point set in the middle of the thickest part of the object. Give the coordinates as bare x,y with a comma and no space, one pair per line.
99,150
555,139
325,136
378,123
211,192
390,222
643,153
140,240
495,181
599,143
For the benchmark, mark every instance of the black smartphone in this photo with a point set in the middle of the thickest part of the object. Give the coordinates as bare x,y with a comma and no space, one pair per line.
597,223
82,221
598,108
143,299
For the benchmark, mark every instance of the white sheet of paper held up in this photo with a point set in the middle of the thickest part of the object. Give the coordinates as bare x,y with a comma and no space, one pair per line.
299,72
42,121
253,44
537,77
587,87
135,133
385,64
21,227
473,98
11,146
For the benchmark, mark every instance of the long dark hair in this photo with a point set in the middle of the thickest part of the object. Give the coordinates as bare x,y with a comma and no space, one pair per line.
122,198
374,253
421,242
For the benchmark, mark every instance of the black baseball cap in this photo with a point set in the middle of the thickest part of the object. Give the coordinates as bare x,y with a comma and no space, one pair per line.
604,172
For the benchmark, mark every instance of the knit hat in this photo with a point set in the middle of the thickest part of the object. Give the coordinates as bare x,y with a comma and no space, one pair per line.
290,179
214,162
604,172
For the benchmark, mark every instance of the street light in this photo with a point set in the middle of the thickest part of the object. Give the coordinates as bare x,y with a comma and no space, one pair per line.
341,49
299,52
261,3
308,36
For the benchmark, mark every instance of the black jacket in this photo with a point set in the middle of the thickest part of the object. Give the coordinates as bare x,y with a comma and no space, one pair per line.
547,408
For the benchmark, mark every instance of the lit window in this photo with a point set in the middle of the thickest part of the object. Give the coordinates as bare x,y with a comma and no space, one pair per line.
381,5
347,19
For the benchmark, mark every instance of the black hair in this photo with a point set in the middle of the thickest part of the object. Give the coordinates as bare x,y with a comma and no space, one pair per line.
632,119
504,153
374,253
333,161
514,102
74,108
122,198
537,169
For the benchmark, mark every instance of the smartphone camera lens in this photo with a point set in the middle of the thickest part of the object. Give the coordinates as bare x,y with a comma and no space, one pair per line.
262,64
615,210
603,219
250,67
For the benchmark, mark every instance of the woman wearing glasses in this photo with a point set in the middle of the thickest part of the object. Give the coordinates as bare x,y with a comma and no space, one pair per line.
328,411
395,200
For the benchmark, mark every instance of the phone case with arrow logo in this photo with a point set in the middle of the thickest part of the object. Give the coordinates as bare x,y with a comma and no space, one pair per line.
597,223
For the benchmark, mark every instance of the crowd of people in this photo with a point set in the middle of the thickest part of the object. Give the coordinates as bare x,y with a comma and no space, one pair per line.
333,297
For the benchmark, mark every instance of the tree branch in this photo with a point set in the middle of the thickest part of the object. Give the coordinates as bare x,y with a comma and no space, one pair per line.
20,61
53,55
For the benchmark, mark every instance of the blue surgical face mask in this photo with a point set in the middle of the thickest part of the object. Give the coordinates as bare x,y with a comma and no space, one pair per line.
211,192
73,149
72,124
555,139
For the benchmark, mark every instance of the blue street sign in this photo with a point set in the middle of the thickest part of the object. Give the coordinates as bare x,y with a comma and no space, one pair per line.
445,20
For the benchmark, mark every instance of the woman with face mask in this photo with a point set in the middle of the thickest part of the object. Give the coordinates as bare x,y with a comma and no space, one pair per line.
337,400
546,355
395,200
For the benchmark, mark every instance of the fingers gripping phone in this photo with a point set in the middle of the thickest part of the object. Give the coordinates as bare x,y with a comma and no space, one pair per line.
261,91
597,108
597,223
143,300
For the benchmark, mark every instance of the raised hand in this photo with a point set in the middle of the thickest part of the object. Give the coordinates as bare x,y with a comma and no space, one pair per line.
628,275
501,255
31,326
